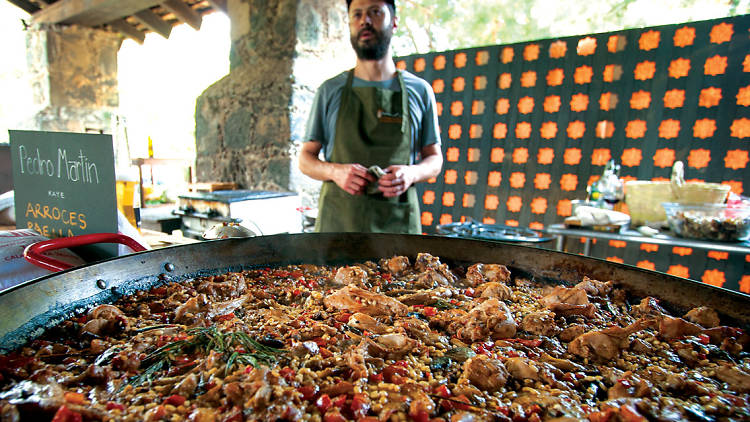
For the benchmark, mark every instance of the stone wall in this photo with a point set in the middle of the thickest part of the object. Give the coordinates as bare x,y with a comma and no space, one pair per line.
249,124
73,72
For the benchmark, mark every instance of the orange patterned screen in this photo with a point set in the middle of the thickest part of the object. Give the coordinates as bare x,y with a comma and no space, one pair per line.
534,123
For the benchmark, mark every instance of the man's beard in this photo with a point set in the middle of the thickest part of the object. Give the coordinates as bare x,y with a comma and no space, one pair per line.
376,47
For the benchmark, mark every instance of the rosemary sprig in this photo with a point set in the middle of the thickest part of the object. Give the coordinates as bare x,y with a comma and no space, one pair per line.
206,339
441,304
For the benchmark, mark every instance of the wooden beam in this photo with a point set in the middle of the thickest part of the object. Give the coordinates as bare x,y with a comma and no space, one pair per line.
123,27
23,4
184,13
153,22
91,12
219,5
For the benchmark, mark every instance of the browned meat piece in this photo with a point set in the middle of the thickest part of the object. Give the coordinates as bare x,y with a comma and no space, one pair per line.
671,328
562,364
569,301
359,300
572,331
389,346
737,378
649,306
187,386
703,316
494,289
105,320
421,331
522,368
489,319
396,265
224,286
419,401
605,344
353,276
426,261
630,385
187,311
366,322
595,287
541,323
482,273
422,297
431,279
485,373
718,334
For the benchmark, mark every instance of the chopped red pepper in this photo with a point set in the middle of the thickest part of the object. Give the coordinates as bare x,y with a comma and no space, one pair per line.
430,311
323,403
469,292
175,400
420,416
443,391
376,377
360,405
334,415
64,414
704,339
115,406
308,392
287,374
343,317
225,317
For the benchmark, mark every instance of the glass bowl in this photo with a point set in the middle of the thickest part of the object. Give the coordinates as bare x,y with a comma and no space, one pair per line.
718,222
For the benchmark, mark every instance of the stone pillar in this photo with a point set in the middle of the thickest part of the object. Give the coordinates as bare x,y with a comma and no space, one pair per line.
73,73
249,124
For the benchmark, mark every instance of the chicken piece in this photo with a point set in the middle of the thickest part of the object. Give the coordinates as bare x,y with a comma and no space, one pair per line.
630,385
649,306
203,414
569,301
419,401
607,343
422,297
703,316
396,265
494,289
187,386
105,320
426,261
485,373
595,287
359,300
541,323
562,364
522,368
224,286
421,331
671,328
187,311
365,322
489,319
431,279
571,332
352,275
737,378
481,273
389,346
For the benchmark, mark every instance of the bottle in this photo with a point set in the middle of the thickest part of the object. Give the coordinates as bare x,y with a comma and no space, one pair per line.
150,147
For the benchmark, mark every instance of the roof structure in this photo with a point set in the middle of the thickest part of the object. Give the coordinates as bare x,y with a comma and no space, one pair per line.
132,18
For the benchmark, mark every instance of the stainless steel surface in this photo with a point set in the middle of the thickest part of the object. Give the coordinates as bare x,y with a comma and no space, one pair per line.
474,230
561,232
27,309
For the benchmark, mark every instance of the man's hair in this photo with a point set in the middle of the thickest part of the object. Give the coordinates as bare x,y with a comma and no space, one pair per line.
391,3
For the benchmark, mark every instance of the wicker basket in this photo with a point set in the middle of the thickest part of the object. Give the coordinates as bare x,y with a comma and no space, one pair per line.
644,198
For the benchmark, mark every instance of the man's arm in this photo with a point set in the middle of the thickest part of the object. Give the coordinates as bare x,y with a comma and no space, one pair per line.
398,178
353,178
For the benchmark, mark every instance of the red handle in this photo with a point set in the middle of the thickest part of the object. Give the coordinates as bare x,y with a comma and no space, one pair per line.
33,253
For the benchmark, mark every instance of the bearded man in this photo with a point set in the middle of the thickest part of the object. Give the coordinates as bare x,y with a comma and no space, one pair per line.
378,129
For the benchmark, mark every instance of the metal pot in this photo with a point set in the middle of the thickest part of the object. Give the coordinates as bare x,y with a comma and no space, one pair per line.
27,309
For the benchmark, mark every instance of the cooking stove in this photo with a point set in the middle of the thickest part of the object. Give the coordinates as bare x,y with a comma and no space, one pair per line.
474,230
263,212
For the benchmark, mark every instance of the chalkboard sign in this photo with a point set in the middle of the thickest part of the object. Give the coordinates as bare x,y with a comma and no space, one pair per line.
64,184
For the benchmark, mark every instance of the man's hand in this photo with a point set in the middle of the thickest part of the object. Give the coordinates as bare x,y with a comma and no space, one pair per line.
353,178
396,180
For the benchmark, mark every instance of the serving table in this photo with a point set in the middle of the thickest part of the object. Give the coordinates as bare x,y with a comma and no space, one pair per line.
561,232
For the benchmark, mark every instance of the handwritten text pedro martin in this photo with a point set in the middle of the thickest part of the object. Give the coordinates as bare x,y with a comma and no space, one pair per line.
74,169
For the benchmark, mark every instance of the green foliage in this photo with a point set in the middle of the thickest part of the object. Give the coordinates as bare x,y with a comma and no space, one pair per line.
439,25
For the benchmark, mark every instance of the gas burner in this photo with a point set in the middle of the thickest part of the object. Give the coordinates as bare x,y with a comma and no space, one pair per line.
473,230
